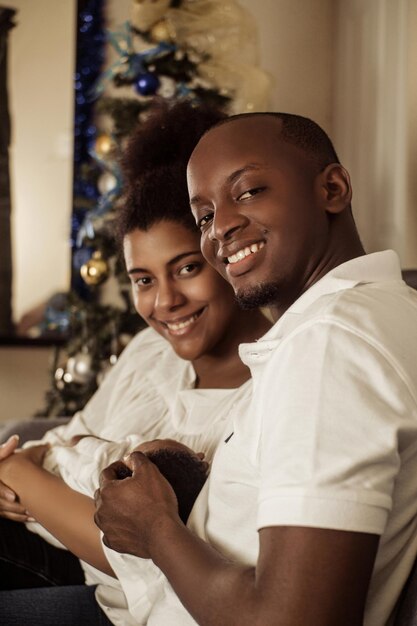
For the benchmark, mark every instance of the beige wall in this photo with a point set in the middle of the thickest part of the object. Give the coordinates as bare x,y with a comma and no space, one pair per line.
296,43
41,65
24,378
374,120
411,233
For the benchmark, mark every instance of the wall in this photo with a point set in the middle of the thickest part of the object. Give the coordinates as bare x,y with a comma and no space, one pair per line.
296,43
374,119
24,378
411,85
41,65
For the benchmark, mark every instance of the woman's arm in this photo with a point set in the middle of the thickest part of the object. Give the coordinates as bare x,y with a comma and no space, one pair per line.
65,513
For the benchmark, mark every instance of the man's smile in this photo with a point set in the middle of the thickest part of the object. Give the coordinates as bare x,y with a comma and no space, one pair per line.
244,252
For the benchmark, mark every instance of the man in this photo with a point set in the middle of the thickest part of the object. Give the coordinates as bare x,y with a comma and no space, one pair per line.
311,510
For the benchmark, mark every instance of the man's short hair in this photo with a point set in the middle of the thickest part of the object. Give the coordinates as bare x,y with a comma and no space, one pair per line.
301,132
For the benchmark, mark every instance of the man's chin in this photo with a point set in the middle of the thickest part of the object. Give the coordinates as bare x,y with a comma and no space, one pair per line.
262,295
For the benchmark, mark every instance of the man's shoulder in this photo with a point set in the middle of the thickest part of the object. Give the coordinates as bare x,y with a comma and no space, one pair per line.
368,305
381,316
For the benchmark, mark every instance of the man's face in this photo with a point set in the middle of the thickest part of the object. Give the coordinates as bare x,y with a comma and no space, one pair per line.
256,201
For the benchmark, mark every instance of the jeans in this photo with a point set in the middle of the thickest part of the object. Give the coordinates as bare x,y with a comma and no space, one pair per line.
27,560
51,606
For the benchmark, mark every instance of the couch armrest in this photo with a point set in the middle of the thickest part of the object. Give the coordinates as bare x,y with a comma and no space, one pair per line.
33,428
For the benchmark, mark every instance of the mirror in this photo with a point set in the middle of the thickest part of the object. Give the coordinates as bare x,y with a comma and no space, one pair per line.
41,60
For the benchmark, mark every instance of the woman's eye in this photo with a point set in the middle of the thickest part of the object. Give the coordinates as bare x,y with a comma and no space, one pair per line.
250,193
206,219
143,281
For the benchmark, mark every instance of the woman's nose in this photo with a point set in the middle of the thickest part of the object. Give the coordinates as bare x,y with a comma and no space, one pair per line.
168,296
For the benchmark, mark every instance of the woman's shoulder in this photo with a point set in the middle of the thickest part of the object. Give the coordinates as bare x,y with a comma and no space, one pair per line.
146,344
148,362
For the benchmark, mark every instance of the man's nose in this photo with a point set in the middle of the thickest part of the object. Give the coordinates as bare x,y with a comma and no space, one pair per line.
226,221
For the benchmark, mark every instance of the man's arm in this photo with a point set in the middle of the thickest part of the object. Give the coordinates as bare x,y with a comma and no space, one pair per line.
65,513
303,575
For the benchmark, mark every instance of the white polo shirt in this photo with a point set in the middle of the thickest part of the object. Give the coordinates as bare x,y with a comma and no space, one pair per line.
330,437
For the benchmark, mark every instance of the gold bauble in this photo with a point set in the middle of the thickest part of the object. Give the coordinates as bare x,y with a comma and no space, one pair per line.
96,270
104,145
145,13
161,31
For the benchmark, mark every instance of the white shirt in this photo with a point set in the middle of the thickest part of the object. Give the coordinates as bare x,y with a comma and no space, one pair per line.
149,394
330,437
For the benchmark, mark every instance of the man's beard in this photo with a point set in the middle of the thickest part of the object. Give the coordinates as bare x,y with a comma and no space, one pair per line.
262,295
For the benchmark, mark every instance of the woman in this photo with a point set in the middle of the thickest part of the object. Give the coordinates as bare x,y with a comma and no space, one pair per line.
179,379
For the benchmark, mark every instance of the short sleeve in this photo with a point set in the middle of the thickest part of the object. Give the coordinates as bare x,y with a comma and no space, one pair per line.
332,411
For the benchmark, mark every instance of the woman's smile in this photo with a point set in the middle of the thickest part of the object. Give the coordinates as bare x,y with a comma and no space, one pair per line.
182,326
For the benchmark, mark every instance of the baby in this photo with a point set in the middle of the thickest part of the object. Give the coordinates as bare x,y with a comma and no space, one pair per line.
183,469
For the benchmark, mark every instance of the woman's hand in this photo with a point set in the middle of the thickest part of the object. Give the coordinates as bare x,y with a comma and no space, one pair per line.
10,508
12,458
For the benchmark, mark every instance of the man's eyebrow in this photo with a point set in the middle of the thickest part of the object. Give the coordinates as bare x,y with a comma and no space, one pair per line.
176,259
233,177
247,168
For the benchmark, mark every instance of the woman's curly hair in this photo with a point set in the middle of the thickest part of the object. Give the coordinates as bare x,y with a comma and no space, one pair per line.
154,166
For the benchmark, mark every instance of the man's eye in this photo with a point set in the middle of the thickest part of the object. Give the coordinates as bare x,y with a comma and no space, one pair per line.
250,193
188,269
205,220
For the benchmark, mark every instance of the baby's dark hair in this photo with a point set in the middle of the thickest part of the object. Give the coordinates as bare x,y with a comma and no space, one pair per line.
185,474
154,166
303,133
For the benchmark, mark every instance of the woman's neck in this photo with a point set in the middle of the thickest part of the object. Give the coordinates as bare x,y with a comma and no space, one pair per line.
223,369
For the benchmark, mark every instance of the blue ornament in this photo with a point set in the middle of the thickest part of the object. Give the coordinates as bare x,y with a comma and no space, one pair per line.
147,84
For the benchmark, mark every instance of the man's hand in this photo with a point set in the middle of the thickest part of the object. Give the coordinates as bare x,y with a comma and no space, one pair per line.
10,507
129,510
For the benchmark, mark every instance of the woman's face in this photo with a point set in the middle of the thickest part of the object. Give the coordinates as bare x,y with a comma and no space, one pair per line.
175,290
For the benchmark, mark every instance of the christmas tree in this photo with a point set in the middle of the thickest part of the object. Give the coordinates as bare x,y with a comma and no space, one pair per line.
200,50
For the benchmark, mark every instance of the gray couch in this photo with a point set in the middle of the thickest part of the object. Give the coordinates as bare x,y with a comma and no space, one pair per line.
33,428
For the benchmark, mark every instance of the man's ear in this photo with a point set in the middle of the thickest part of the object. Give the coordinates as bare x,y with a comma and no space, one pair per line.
334,188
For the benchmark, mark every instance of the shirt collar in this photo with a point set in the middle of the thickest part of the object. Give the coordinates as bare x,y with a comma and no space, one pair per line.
369,268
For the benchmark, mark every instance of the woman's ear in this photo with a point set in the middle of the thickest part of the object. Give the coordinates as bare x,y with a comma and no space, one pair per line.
334,188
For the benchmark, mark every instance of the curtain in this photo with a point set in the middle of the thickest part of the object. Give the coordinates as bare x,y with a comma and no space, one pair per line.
371,120
6,23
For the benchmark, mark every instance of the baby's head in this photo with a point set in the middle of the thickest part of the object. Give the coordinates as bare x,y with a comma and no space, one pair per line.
183,469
